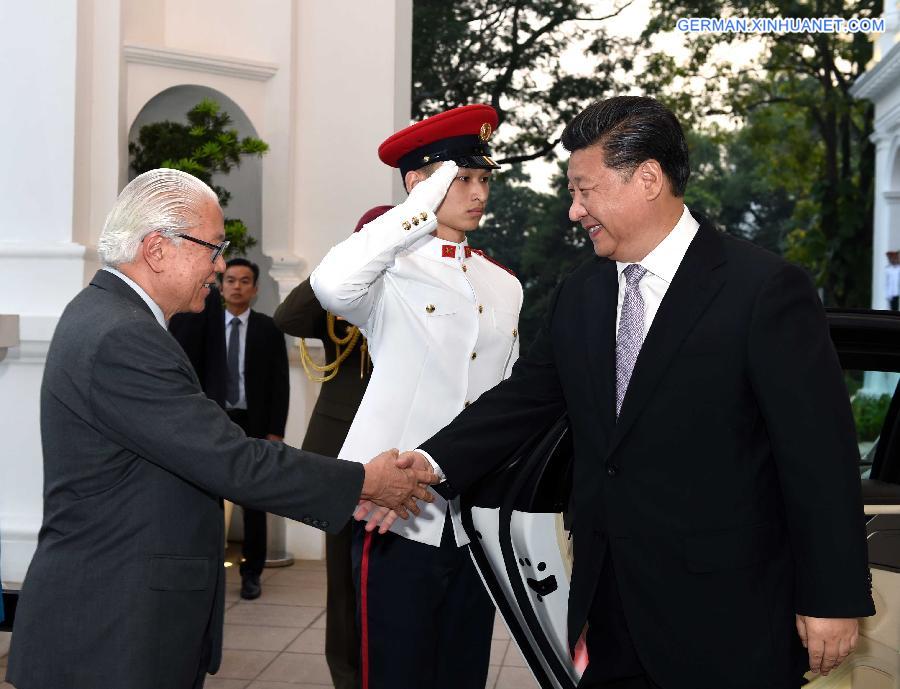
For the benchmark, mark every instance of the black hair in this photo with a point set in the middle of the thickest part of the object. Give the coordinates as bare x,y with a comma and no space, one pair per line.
247,264
630,130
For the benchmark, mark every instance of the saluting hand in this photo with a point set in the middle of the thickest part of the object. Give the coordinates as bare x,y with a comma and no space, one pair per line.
396,485
430,193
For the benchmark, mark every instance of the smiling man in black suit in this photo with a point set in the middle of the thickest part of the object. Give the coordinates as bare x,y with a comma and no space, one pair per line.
257,393
718,523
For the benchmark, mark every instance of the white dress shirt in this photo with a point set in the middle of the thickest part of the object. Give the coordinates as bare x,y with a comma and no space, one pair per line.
244,318
661,264
154,307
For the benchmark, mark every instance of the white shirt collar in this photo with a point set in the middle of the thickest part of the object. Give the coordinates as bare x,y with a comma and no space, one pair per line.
664,260
242,317
154,307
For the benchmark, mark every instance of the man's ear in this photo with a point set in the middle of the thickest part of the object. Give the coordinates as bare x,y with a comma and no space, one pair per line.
154,250
651,179
411,179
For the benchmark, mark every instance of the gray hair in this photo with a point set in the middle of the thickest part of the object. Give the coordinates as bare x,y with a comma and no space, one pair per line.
163,199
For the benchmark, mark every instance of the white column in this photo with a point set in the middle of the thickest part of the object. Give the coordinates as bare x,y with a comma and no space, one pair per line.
885,41
881,216
350,74
38,260
59,72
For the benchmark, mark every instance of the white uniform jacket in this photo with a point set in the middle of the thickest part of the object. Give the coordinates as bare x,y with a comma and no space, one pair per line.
442,329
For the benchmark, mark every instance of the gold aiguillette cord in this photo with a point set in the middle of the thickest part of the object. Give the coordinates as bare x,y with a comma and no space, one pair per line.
348,342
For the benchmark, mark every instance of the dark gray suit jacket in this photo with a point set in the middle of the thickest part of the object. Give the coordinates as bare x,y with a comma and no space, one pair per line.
126,588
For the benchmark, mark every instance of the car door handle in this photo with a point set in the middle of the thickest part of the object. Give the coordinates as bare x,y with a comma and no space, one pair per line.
544,587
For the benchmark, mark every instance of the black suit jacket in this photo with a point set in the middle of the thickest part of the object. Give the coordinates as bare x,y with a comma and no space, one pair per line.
266,381
126,588
301,315
202,336
727,494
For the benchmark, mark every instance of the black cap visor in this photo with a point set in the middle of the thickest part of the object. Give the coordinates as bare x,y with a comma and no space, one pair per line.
465,151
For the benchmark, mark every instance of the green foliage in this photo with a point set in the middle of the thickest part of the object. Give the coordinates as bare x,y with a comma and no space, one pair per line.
854,381
530,232
238,234
780,151
868,413
507,53
203,147
803,145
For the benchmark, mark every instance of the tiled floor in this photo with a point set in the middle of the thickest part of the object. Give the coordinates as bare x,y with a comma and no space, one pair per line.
278,641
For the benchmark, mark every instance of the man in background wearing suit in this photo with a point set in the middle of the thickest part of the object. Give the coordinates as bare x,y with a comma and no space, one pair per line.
344,380
202,337
126,588
717,517
257,393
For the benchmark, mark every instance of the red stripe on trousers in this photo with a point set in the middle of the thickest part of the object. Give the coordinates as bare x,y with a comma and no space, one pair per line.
364,611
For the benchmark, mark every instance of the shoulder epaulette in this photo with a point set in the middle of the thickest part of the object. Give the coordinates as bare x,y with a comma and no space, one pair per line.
494,261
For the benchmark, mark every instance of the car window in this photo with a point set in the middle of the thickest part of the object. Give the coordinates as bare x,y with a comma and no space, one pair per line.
870,397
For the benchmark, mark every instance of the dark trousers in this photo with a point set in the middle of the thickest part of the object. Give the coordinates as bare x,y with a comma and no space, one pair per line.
895,303
425,618
341,636
253,550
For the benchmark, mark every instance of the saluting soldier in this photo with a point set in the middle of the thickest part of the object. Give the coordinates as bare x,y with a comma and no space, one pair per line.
441,321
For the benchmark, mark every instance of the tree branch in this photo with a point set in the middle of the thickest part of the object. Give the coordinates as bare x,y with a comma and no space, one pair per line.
608,16
540,153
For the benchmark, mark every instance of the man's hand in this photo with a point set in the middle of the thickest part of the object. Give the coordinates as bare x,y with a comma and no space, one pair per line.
272,436
396,484
430,193
382,518
828,641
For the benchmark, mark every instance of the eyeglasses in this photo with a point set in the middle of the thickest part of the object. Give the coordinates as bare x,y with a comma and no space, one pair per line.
218,249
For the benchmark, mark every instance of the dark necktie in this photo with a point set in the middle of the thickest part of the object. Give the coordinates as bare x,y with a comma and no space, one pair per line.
233,393
631,331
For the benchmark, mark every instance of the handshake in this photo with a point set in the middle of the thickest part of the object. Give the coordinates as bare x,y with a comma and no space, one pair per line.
393,483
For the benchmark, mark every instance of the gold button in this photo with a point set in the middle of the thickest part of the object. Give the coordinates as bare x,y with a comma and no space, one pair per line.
429,308
423,215
466,403
406,225
464,268
515,333
480,309
474,355
415,220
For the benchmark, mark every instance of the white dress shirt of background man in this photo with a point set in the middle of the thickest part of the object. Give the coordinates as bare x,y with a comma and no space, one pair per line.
257,393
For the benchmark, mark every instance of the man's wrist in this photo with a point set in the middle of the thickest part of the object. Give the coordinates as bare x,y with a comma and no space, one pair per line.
434,465
367,492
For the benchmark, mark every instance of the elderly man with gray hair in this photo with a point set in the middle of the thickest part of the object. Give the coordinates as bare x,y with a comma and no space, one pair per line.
126,588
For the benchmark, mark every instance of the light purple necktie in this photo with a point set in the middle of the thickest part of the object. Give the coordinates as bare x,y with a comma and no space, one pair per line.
631,331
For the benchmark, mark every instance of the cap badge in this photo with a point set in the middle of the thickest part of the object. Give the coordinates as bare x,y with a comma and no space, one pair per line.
485,132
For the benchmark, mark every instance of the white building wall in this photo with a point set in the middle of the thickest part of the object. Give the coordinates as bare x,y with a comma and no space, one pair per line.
41,266
881,84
